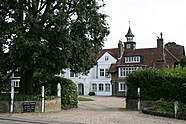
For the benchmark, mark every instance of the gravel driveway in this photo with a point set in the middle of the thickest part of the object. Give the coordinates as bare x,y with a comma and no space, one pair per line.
104,110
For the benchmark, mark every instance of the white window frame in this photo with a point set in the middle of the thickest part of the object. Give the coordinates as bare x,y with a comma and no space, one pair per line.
94,87
132,59
120,88
74,75
124,71
107,87
16,83
106,58
101,70
101,89
106,73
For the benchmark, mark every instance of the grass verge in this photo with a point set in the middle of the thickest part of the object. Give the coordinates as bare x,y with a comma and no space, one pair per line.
84,99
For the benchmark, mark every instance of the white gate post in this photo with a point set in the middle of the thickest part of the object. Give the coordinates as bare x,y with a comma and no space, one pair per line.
12,97
139,99
58,90
43,99
175,108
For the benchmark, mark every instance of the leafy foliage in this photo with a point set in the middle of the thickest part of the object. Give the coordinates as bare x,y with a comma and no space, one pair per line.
171,44
4,85
49,35
183,62
156,84
69,97
163,106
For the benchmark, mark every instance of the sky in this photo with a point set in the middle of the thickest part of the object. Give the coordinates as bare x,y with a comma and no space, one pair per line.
147,19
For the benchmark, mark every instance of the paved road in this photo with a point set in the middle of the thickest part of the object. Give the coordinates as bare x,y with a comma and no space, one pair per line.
104,110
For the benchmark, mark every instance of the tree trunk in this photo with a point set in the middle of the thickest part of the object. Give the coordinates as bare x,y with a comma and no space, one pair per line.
27,83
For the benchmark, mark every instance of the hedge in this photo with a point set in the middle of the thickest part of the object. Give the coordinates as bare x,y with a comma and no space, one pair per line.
4,85
156,84
69,96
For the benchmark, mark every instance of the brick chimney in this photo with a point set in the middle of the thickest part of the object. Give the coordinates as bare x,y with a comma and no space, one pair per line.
120,49
160,41
160,47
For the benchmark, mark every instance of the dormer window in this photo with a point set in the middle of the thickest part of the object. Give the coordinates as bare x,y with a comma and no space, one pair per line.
73,74
132,59
106,58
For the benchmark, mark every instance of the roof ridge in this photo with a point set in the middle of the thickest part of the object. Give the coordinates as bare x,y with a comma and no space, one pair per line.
109,48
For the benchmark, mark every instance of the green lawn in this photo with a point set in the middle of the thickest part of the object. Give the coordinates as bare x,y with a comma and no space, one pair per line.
84,99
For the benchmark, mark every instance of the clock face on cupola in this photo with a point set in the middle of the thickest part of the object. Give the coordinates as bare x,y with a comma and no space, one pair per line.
130,44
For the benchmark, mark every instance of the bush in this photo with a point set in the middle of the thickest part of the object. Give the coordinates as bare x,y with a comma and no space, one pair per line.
91,93
4,85
156,84
69,97
163,106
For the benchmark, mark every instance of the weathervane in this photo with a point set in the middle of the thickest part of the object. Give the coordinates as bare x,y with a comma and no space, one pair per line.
129,22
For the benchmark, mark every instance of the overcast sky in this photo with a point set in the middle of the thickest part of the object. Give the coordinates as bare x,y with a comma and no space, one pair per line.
148,18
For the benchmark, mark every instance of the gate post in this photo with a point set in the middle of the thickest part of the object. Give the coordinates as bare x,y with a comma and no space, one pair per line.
12,97
43,99
139,99
58,90
175,108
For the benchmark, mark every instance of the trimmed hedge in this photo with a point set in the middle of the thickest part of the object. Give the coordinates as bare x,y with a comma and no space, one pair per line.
156,84
4,85
69,95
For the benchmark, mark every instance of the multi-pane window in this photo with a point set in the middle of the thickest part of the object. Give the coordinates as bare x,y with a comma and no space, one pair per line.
73,74
107,87
124,71
122,87
94,87
106,73
102,72
106,58
100,87
132,59
16,83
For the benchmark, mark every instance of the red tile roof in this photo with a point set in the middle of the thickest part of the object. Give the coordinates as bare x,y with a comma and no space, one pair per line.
150,56
113,52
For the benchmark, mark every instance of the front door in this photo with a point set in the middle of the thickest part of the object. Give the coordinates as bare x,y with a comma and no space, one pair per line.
80,89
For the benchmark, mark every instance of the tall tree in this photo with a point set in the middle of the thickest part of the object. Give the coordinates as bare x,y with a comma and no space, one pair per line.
50,35
171,44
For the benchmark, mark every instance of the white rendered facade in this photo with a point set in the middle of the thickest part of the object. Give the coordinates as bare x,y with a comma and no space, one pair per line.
97,80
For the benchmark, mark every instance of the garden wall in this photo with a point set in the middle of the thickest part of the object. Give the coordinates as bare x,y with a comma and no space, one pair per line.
50,106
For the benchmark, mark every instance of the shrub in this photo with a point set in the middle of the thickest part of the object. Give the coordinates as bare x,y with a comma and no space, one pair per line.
163,106
156,84
4,85
69,97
